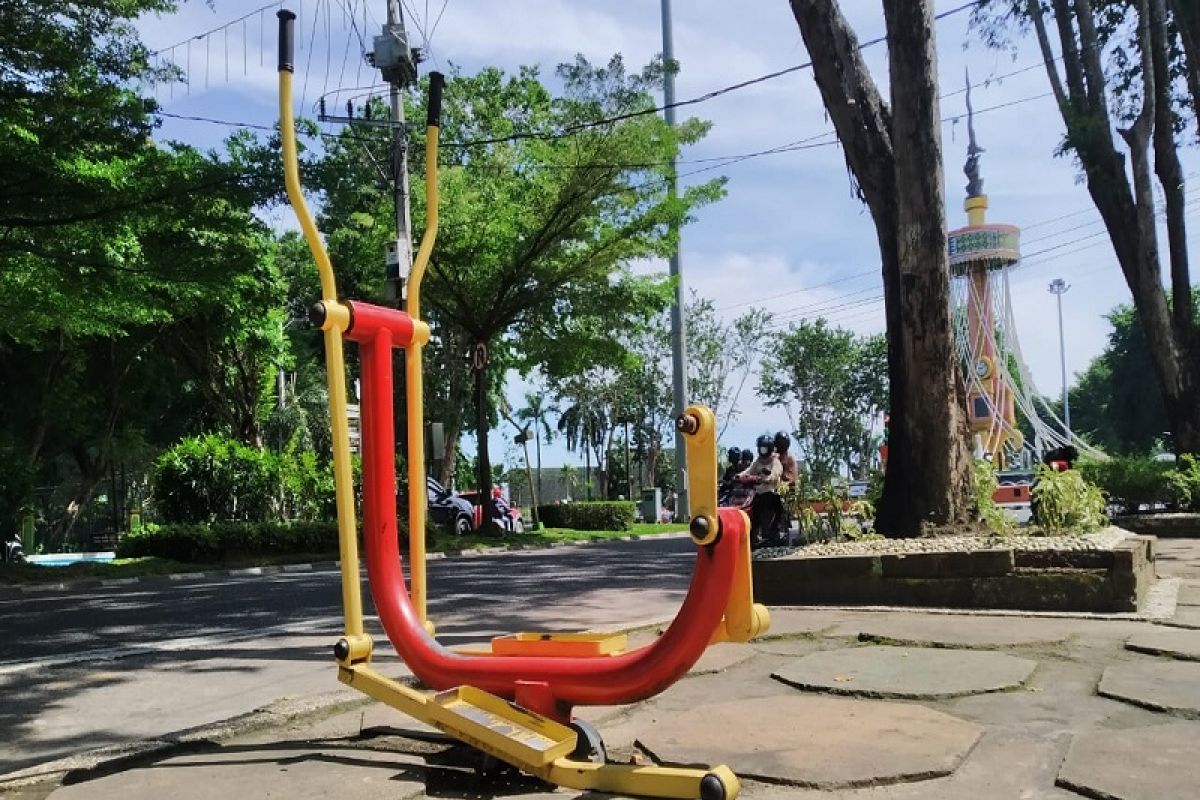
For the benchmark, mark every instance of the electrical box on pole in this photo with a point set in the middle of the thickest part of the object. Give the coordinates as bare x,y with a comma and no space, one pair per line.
392,56
397,61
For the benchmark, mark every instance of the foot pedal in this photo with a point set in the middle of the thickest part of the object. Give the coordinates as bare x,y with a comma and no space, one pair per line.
563,645
496,726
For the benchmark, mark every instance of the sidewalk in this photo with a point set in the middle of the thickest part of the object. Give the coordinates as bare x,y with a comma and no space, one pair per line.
835,703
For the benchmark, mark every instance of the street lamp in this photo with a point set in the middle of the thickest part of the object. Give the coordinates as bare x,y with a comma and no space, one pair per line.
1059,287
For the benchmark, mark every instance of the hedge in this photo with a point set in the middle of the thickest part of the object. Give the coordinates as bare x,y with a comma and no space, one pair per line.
1131,481
224,541
615,515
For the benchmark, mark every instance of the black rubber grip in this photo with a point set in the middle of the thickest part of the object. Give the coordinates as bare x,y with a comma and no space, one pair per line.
436,81
287,40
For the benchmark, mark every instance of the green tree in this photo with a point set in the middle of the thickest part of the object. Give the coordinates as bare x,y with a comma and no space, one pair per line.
721,355
1116,402
1134,108
115,251
536,232
536,413
536,229
832,386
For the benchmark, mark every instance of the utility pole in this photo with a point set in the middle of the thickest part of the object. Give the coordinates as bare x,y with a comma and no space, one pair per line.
398,63
1059,287
678,339
392,56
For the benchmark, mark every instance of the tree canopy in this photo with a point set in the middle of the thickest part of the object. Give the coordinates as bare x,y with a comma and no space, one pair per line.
136,285
537,230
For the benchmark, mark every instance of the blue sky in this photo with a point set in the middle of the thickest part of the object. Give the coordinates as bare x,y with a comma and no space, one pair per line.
789,237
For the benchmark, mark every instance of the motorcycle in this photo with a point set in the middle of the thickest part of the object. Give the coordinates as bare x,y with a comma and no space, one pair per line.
770,524
13,552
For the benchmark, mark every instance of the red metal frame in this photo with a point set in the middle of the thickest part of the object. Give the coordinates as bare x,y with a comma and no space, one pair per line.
546,684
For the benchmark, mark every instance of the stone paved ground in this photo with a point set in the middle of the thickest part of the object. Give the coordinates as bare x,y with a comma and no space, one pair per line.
1050,735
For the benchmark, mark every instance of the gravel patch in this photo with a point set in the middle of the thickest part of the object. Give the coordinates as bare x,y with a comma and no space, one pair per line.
1101,540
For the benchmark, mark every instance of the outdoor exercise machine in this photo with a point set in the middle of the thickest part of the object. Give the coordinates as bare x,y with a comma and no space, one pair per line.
513,700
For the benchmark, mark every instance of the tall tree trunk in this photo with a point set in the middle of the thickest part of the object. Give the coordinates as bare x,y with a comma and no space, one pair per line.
929,468
587,463
1128,212
456,393
935,451
1169,171
483,473
1187,20
538,446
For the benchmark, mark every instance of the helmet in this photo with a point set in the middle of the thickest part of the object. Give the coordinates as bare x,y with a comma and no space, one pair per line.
782,442
765,444
747,456
735,455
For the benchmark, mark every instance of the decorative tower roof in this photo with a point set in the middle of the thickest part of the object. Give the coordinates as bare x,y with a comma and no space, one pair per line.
974,181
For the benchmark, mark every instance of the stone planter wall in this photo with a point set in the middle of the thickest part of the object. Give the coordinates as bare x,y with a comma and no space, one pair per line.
1182,526
1029,580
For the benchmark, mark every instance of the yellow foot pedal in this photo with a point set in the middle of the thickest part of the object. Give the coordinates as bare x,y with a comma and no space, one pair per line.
499,728
564,645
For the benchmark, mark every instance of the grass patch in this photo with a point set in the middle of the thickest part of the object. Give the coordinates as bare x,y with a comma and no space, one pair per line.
31,574
439,541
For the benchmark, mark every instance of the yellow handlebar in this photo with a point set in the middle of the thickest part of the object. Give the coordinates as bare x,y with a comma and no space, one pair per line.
413,373
335,322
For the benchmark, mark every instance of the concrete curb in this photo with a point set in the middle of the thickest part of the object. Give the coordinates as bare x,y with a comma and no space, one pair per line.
13,592
107,760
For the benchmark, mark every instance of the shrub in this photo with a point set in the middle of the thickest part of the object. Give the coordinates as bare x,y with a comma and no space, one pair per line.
212,478
613,515
208,478
223,541
1183,484
1064,501
841,519
984,487
1131,481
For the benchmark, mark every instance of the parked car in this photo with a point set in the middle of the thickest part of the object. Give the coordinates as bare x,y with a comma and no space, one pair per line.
453,512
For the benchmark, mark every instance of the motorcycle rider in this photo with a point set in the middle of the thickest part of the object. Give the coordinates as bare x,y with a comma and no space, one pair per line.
734,466
788,477
763,474
786,460
728,480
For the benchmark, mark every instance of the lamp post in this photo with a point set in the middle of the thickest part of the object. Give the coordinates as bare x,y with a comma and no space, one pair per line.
678,336
1059,287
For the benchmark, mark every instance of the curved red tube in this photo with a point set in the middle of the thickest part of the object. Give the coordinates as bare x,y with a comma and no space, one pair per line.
608,680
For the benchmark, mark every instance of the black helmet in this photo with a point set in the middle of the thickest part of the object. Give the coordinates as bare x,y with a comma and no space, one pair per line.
747,456
765,444
782,442
735,455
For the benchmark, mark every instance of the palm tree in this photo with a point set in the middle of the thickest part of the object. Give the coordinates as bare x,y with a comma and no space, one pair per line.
584,426
535,411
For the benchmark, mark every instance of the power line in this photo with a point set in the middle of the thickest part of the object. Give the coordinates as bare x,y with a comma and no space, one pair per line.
209,32
438,21
846,279
793,314
571,130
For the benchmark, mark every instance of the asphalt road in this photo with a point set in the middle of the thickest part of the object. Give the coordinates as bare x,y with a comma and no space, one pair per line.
480,593
81,669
